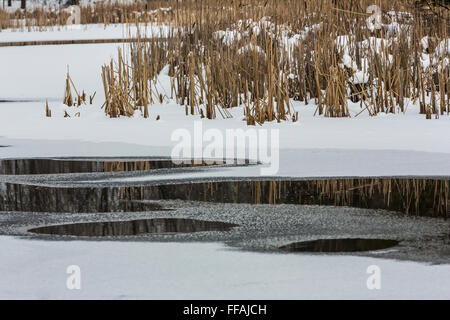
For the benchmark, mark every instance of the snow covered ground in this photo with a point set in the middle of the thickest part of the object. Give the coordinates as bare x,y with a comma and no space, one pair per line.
401,144
117,270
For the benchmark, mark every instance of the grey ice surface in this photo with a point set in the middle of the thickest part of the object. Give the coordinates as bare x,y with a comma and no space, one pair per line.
265,228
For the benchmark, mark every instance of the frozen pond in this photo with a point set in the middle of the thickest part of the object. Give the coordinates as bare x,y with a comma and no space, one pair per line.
353,197
181,249
111,199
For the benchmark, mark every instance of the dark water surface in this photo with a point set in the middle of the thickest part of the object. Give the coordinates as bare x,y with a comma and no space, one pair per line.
95,190
340,245
134,227
61,166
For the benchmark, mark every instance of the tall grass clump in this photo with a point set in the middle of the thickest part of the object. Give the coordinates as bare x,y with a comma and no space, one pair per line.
263,56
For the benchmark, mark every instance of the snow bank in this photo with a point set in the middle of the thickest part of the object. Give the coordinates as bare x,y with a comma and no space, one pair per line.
33,269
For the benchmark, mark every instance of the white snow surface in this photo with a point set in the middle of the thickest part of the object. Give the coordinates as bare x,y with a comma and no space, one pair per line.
83,32
33,269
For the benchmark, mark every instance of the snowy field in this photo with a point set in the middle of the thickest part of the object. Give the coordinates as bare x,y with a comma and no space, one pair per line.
112,270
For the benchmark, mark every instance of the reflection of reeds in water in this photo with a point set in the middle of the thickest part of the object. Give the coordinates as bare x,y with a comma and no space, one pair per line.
145,165
406,195
118,166
422,197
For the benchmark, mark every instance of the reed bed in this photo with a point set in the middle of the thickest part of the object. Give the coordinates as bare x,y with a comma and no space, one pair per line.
107,12
129,85
264,56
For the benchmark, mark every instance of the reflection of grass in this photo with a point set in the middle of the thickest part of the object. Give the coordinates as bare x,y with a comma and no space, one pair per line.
421,197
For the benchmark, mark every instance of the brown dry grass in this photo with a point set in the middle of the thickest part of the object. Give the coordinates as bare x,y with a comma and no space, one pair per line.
258,71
